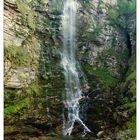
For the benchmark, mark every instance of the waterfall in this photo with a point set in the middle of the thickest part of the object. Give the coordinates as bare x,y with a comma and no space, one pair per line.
69,64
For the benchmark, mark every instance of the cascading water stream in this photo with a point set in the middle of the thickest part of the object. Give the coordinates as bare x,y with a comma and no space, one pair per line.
68,60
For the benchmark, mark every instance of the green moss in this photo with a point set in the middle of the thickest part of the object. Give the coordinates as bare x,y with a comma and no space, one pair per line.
118,15
120,58
133,88
131,78
9,96
12,109
32,98
131,106
27,13
102,75
92,35
34,88
131,75
16,54
132,64
113,14
118,55
132,126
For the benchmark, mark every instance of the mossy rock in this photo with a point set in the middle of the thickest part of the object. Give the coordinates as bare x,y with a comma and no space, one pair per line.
24,102
27,13
17,108
16,54
131,124
102,75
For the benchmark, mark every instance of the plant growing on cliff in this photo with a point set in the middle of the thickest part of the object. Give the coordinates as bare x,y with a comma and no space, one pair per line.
17,55
120,17
27,13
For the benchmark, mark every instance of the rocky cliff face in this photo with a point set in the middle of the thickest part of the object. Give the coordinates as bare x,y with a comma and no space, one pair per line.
21,48
105,54
34,83
31,69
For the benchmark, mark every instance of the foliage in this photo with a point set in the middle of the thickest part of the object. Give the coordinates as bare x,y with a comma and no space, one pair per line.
16,108
36,89
11,94
131,75
119,56
132,126
91,36
127,7
27,13
119,15
85,4
22,101
130,84
16,54
94,33
102,75
105,77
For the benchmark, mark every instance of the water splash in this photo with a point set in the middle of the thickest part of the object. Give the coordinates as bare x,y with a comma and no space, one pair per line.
72,80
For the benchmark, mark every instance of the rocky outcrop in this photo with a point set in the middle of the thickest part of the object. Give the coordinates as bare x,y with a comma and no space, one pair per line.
21,48
32,98
105,57
103,44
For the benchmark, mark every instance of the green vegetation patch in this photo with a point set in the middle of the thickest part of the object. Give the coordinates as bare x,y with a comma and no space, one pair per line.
24,100
119,15
16,54
119,56
131,75
132,126
102,75
36,89
16,108
27,13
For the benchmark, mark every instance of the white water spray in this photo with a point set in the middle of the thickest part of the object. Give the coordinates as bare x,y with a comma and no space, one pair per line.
72,81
